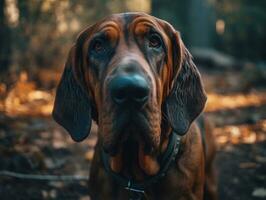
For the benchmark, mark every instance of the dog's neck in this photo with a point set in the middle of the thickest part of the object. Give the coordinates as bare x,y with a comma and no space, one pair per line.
133,180
129,163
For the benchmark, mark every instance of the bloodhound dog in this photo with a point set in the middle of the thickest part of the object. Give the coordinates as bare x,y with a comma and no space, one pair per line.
133,76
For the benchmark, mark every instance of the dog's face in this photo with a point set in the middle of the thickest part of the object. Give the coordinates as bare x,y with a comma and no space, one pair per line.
132,74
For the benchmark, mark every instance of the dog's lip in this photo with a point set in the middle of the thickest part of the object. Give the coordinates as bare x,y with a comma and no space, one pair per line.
146,162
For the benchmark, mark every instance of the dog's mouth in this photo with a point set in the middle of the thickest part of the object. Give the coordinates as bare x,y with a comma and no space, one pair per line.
134,147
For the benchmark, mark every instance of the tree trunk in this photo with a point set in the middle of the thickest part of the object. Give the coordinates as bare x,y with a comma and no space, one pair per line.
5,41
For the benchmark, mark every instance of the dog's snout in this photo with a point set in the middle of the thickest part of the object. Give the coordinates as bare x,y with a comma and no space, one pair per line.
129,89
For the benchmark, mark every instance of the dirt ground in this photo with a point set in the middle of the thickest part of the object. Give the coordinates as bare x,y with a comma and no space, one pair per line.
31,143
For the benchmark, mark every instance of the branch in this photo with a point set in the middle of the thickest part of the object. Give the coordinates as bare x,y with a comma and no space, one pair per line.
44,177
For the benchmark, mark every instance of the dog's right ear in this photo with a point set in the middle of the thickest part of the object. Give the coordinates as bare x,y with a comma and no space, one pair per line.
72,106
187,97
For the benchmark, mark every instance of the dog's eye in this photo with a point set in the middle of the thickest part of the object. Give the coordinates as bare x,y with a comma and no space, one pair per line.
155,41
98,46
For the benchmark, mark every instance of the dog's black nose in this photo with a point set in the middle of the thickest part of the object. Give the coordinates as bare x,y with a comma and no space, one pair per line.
129,89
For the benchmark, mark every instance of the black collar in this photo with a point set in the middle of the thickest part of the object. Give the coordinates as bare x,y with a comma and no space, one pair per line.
137,189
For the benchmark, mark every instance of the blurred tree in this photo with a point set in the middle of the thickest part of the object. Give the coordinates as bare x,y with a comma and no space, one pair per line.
37,34
235,27
201,23
193,18
175,12
244,28
43,31
5,40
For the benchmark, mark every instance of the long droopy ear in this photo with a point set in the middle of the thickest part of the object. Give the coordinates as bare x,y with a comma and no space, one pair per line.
187,97
72,106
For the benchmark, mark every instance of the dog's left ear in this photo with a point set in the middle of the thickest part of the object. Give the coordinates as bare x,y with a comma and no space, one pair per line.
73,107
187,97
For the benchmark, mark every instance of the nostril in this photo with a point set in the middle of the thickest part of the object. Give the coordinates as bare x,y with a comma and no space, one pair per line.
141,94
119,96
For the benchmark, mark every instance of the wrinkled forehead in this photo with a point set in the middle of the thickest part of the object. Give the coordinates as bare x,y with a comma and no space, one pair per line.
126,23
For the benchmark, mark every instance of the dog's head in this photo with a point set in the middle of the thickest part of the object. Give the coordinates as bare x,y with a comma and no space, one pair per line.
132,74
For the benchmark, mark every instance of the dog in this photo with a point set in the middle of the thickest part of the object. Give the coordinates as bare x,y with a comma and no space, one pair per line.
132,75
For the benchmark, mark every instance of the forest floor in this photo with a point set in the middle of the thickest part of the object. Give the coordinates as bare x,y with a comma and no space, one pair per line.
32,143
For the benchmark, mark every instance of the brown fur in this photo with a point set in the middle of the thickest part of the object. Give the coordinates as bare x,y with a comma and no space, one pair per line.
177,97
